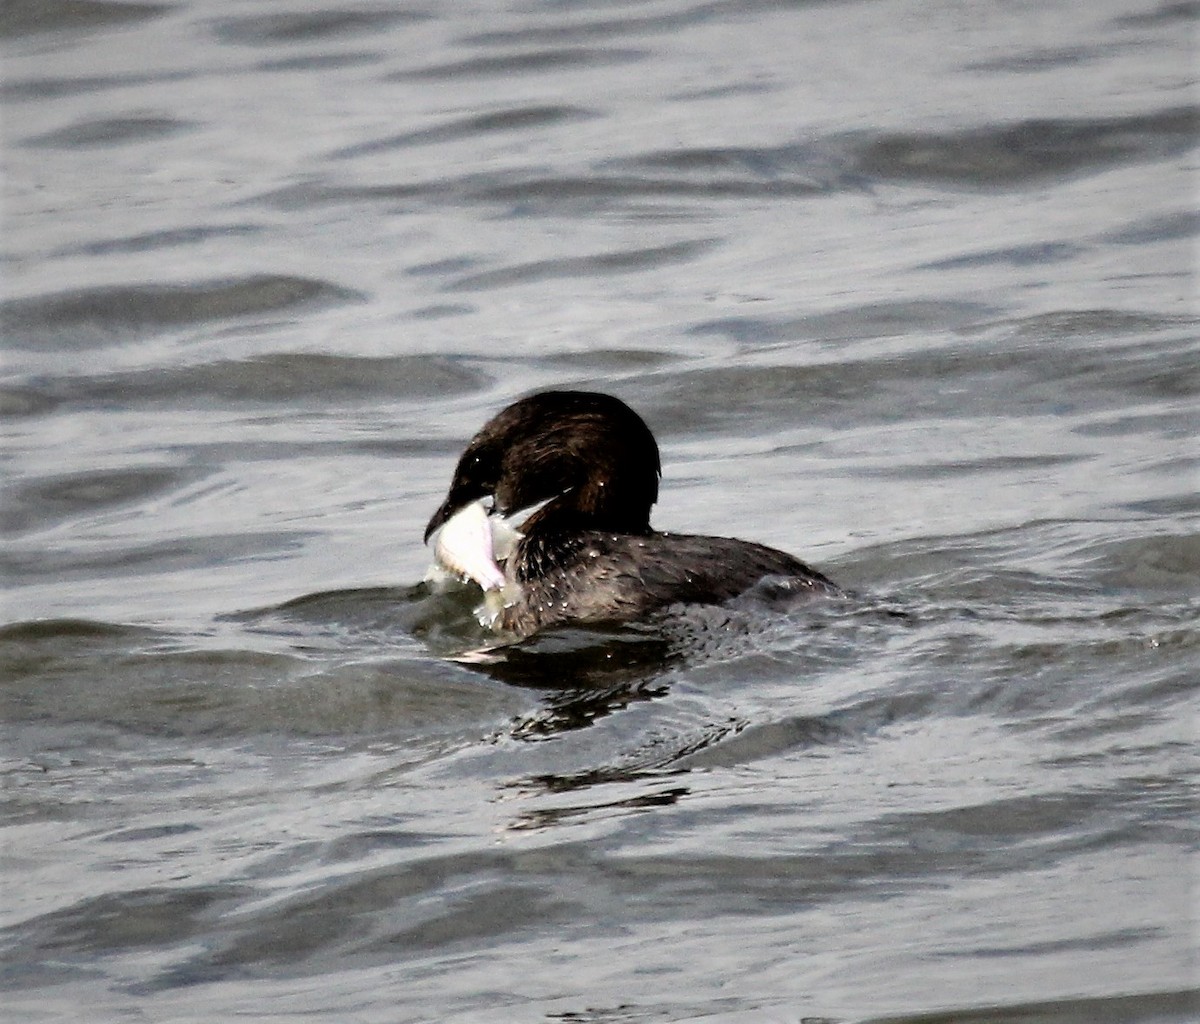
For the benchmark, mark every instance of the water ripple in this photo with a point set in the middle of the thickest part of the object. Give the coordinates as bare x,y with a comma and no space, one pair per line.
280,377
1030,152
305,26
111,131
529,62
25,17
100,316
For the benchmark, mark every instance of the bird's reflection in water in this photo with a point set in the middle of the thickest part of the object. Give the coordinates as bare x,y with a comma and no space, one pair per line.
584,675
548,817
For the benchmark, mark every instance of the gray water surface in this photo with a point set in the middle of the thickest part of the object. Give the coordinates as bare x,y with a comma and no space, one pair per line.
906,288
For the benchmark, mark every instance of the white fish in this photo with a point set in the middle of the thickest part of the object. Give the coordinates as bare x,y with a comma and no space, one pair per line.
472,546
465,546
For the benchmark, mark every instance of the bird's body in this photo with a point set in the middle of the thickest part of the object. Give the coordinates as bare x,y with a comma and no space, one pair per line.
588,554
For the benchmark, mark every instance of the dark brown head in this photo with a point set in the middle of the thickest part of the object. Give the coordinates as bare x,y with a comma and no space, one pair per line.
590,454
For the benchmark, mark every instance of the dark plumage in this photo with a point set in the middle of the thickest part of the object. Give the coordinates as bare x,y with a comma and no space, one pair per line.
589,553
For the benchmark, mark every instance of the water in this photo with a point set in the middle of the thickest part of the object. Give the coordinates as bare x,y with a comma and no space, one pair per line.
905,288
